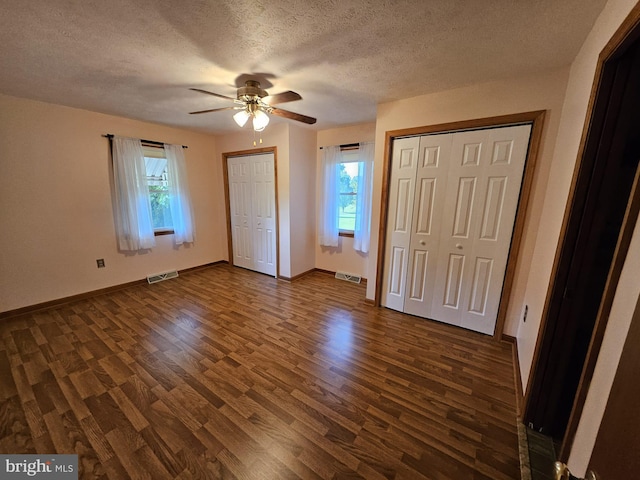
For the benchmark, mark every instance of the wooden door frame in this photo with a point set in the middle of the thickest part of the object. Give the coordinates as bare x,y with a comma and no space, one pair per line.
227,201
593,130
536,119
618,429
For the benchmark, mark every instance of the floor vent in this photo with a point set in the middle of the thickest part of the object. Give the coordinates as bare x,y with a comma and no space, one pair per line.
162,276
348,277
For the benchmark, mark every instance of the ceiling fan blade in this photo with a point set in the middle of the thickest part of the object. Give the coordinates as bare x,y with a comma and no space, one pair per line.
293,116
213,110
211,93
283,97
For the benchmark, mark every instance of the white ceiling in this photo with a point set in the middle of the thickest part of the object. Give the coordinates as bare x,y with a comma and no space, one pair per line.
138,58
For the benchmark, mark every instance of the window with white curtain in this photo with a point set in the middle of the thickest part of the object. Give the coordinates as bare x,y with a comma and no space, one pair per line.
348,176
151,194
155,162
346,195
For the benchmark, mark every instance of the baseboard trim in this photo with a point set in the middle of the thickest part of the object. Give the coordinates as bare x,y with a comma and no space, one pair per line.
330,272
93,293
296,277
313,270
516,373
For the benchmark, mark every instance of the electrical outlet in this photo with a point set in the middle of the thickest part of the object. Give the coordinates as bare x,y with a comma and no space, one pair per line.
526,312
100,262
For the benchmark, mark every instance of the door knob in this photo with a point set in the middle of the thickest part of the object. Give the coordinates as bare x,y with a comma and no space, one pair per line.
562,472
459,246
422,242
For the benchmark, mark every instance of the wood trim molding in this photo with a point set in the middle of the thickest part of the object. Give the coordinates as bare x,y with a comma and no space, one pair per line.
318,270
300,275
93,293
462,125
602,319
227,202
536,119
517,374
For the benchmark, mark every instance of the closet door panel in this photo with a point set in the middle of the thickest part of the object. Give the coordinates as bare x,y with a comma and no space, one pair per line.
485,175
428,202
401,199
498,195
264,218
253,212
240,209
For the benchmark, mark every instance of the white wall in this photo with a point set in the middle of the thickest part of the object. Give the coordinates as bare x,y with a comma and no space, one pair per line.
343,258
303,189
542,91
56,211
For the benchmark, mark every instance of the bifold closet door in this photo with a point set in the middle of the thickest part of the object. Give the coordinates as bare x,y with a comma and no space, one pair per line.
253,212
452,204
483,188
416,199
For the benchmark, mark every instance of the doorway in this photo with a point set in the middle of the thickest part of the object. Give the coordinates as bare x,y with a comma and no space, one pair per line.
536,120
598,224
452,206
250,195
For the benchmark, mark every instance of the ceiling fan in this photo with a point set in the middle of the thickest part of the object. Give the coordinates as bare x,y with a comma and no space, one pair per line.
253,101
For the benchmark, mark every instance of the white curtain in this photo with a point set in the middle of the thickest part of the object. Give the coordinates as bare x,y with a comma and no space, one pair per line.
134,225
362,230
179,200
328,230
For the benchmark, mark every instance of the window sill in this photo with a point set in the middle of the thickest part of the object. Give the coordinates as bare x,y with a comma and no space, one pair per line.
346,233
158,233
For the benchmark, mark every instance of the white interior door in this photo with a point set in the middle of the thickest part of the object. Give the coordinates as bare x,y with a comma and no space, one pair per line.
401,192
461,207
485,175
240,208
429,198
264,213
253,212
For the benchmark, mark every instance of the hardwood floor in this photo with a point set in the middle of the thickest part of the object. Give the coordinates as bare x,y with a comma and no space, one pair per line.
225,373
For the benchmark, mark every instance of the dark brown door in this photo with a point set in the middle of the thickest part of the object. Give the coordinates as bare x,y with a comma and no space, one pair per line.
602,195
616,454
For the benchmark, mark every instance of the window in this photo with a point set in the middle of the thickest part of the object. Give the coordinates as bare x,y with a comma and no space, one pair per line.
146,175
345,195
348,191
155,162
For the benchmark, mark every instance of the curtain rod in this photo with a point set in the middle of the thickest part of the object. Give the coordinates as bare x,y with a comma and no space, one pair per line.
348,145
152,142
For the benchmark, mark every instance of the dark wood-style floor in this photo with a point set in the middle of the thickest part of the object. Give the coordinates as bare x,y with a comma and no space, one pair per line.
225,373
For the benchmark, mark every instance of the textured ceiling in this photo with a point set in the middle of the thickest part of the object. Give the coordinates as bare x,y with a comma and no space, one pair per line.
138,58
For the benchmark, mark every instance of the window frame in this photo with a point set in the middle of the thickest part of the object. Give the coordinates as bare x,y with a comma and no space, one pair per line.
157,232
356,148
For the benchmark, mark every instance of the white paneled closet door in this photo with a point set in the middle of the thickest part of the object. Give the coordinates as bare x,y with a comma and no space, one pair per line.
466,187
253,212
430,190
401,193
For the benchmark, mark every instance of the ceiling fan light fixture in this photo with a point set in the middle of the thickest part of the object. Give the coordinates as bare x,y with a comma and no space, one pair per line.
241,117
260,120
253,101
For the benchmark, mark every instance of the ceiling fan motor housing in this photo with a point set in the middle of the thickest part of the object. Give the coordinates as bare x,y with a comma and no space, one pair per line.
251,89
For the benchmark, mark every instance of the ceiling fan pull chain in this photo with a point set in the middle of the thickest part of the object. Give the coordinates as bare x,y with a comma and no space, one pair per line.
254,139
